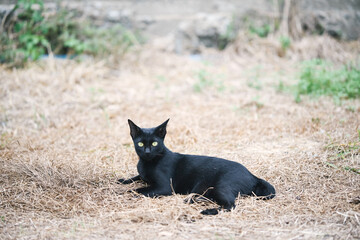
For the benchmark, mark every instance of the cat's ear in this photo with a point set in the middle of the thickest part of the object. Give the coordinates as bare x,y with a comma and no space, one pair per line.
134,130
160,131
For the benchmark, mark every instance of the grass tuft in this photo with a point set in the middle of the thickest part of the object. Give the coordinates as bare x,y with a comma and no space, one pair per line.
321,78
345,155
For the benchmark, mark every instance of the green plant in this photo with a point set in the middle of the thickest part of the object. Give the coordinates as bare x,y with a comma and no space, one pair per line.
24,38
280,87
285,42
262,31
256,101
30,34
341,153
254,78
229,35
105,41
204,80
161,78
318,77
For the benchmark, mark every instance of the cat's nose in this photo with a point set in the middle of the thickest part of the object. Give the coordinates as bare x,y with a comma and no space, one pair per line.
147,150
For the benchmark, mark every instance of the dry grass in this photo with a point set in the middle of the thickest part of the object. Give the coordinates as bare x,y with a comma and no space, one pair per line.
269,49
65,141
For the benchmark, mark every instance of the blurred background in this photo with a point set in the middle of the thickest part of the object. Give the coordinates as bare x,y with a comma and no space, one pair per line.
33,28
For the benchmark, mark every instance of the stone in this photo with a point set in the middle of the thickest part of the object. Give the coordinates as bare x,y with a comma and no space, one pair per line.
205,30
113,16
337,18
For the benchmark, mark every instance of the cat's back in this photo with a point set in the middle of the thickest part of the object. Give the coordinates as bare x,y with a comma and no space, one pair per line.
207,163
196,173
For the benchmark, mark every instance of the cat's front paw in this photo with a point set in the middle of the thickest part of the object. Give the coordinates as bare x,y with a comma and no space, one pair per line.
124,181
211,211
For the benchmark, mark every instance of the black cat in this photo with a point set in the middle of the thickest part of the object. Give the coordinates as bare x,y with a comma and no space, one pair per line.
166,172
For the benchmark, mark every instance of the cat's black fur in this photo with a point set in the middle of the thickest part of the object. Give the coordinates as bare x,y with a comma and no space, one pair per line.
166,172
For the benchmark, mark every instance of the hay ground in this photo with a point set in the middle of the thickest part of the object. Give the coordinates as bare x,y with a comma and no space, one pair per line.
65,141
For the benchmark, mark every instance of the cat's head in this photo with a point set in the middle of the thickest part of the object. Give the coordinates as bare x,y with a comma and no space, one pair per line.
149,142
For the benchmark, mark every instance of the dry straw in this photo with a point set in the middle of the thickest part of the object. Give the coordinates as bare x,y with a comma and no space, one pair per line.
65,141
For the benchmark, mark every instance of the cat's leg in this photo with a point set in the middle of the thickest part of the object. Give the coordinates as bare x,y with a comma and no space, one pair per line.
224,197
128,181
153,191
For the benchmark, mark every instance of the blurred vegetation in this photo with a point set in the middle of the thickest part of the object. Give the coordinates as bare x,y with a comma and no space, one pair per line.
341,155
27,34
254,77
262,31
319,77
285,42
206,80
229,35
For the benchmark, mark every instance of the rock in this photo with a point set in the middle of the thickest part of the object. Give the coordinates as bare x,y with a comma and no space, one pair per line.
338,18
124,17
4,9
113,16
205,30
209,28
186,39
144,22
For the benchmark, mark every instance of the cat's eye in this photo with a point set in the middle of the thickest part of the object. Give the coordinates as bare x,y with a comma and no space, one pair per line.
154,144
140,144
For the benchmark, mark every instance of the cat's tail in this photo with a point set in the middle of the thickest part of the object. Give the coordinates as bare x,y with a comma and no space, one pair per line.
264,190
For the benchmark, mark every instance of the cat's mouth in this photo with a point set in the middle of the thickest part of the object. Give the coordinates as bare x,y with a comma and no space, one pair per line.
147,157
150,157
